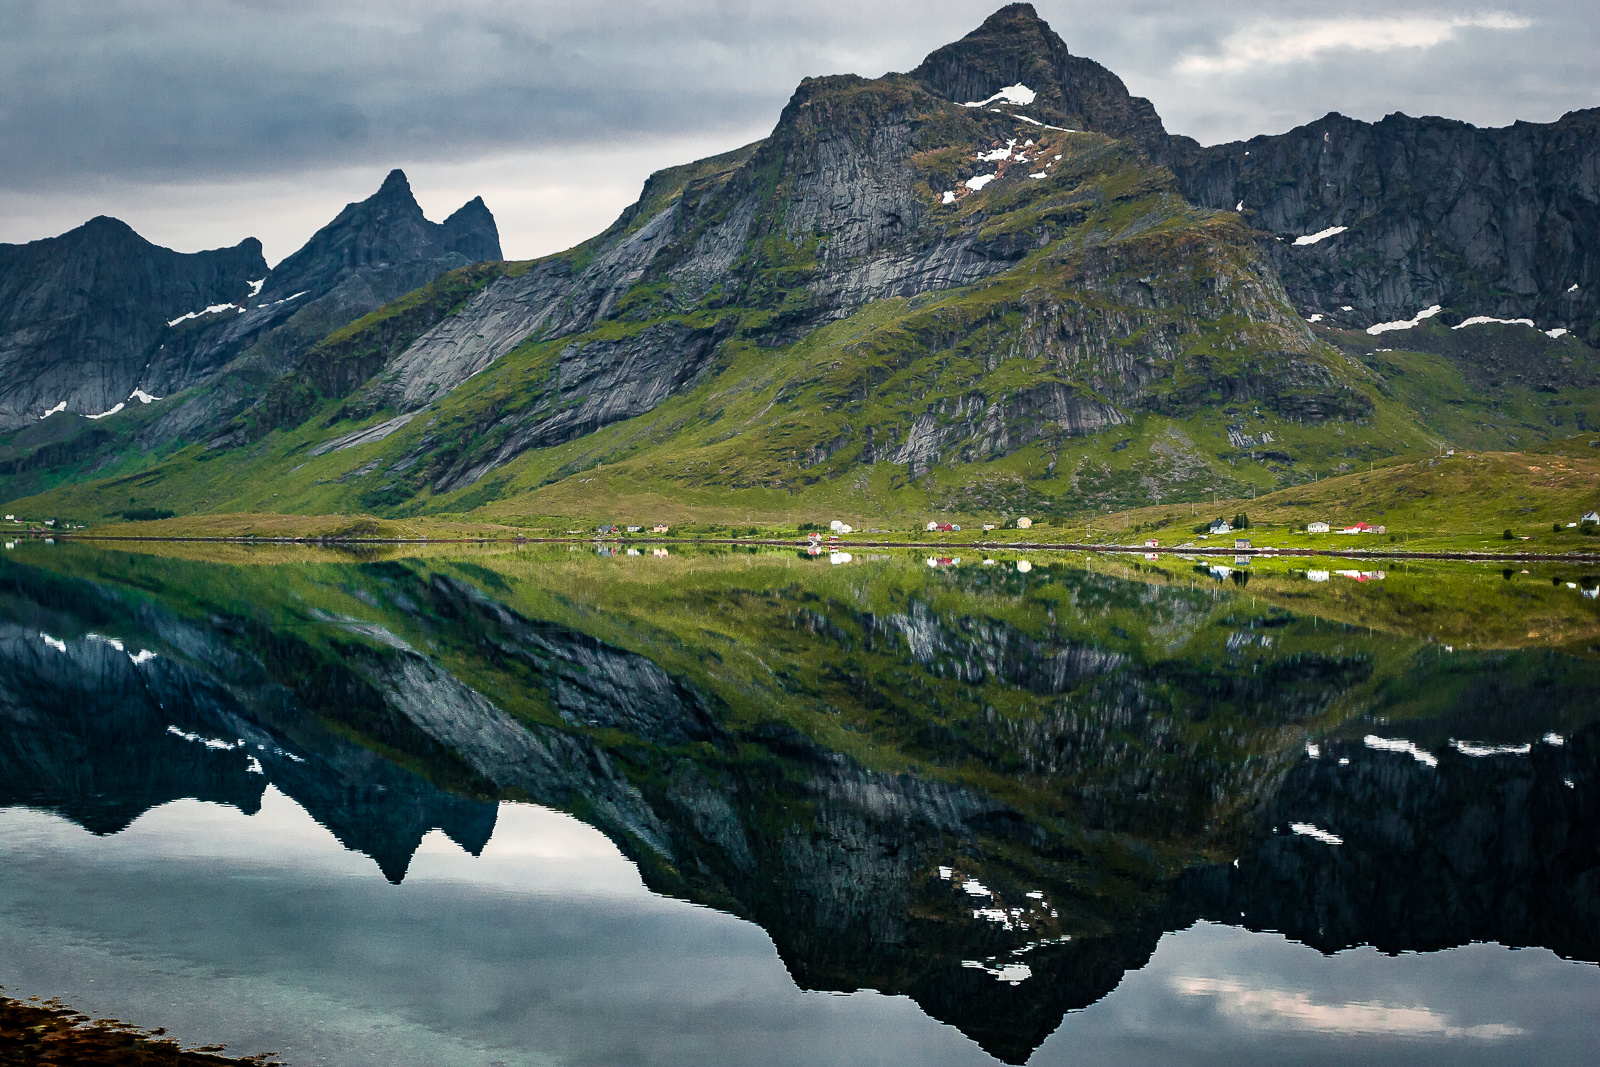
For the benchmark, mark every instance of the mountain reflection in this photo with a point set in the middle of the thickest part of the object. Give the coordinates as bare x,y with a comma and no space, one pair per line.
989,789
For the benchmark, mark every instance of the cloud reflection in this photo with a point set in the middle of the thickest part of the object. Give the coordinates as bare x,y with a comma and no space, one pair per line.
1280,1009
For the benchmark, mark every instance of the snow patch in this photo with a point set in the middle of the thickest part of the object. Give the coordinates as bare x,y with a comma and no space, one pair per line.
1012,94
1553,738
1385,327
1573,288
1559,331
255,286
1320,235
980,181
212,310
142,397
1315,318
998,154
144,656
55,643
59,407
1387,744
209,742
1305,829
1045,125
1480,320
948,198
975,888
1239,206
1039,174
103,414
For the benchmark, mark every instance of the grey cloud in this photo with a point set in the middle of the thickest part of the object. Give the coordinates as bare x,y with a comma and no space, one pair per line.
166,93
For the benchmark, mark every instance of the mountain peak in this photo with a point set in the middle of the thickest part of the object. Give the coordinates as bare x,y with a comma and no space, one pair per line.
1015,46
385,229
394,186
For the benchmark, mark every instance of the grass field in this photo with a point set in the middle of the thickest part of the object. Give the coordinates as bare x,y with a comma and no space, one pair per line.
1453,503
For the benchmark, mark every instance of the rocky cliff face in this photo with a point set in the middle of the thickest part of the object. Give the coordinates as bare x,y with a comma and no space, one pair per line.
871,190
80,313
1499,222
373,252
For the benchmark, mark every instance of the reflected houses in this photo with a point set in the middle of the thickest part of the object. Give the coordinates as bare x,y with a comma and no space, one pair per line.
990,791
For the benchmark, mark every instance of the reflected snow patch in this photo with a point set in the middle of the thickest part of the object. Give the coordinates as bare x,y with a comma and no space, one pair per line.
1467,748
1387,744
1014,973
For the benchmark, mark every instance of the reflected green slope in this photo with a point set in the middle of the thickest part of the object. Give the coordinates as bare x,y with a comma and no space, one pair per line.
912,777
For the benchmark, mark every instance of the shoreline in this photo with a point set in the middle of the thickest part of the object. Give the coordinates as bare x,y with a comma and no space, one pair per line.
842,546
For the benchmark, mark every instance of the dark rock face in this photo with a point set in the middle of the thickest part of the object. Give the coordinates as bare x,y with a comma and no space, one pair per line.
384,230
80,313
1501,222
373,252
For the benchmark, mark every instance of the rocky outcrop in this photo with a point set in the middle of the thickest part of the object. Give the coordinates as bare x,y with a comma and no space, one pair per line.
80,313
1499,222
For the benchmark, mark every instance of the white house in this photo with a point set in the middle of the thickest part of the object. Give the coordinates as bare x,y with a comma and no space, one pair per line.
1219,526
1590,516
1024,523
1317,527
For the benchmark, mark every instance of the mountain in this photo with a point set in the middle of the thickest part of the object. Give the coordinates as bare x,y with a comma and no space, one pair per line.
371,253
993,285
204,352
1499,222
80,313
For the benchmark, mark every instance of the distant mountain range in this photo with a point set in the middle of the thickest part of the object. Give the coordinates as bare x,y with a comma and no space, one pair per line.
92,316
992,284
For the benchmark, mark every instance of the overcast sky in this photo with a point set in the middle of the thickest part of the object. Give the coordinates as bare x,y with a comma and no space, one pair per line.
201,122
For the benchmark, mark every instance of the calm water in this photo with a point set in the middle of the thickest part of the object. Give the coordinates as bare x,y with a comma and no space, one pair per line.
548,807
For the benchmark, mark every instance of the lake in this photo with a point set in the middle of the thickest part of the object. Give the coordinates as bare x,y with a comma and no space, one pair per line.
645,805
